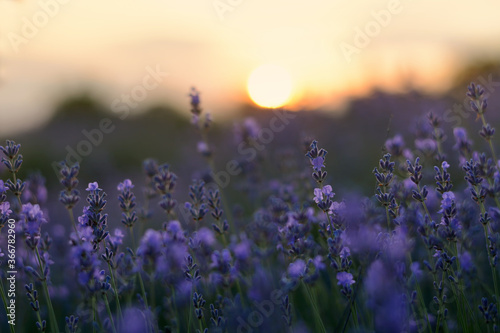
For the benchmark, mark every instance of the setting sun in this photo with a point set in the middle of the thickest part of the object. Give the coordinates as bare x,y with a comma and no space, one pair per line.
270,86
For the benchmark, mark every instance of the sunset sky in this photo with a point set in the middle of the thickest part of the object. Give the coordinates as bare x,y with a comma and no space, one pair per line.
105,47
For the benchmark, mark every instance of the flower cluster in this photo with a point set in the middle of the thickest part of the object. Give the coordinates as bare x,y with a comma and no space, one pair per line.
418,255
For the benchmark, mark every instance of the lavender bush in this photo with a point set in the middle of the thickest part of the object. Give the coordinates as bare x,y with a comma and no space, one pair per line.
419,255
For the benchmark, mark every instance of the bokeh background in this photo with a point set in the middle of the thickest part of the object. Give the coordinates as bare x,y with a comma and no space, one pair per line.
360,71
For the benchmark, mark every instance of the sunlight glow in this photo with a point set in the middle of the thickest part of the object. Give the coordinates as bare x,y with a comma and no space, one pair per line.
270,86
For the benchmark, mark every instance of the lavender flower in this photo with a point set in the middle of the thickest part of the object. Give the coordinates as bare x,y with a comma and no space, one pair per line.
395,146
195,101
345,279
297,269
72,323
164,180
12,159
127,203
247,131
197,206
68,178
35,191
32,219
92,215
427,146
317,158
5,212
478,102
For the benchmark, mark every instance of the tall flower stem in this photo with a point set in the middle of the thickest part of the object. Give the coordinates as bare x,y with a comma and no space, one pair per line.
190,309
320,327
490,259
110,315
115,289
73,222
224,201
492,148
421,300
139,277
53,318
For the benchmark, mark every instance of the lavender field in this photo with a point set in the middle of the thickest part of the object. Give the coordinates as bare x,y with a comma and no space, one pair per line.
249,236
237,166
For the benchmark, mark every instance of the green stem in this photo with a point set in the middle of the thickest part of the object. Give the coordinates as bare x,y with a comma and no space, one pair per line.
73,222
130,229
152,301
420,297
355,315
388,218
493,270
94,319
319,323
490,261
52,315
190,309
174,306
105,297
200,326
438,142
117,300
143,290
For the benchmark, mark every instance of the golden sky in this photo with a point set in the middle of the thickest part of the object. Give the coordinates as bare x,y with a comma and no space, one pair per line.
331,49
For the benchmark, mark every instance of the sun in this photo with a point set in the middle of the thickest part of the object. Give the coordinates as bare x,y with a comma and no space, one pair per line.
270,86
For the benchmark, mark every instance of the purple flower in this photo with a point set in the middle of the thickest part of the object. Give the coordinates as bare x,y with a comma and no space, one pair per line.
345,252
174,228
447,201
327,191
3,188
415,269
427,146
92,187
242,251
221,261
127,203
194,119
134,320
297,269
126,185
85,262
205,237
463,144
345,279
11,149
35,190
251,126
33,219
460,134
151,244
445,165
318,263
336,207
395,145
5,208
318,163
117,237
195,96
203,148
247,131
466,261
